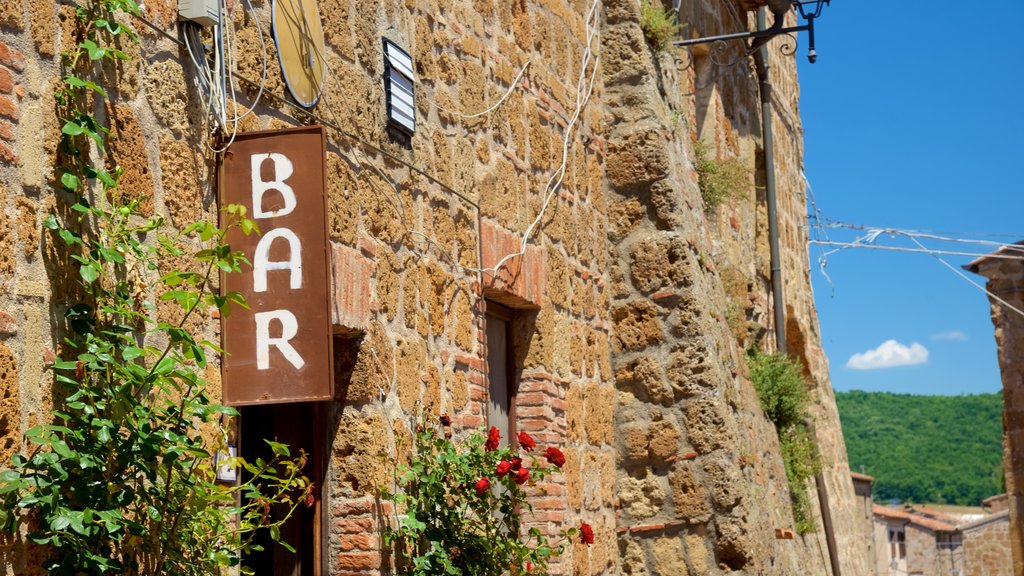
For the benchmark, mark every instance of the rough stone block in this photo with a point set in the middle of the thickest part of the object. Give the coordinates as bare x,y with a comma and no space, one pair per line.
638,157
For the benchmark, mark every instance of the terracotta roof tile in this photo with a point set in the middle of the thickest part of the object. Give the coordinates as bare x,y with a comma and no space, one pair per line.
923,521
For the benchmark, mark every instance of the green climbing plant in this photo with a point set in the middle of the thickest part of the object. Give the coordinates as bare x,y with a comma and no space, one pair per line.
719,180
122,480
783,395
660,25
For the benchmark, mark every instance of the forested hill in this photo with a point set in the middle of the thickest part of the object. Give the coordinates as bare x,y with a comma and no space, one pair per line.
935,449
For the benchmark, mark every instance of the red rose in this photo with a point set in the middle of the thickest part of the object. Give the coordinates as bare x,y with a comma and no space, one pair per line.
446,420
586,533
493,437
517,463
522,475
526,442
503,467
555,456
482,486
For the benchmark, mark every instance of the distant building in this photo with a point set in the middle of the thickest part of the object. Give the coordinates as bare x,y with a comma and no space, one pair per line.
927,541
862,491
912,543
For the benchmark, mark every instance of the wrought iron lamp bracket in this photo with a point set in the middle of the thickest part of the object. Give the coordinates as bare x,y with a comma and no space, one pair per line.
761,37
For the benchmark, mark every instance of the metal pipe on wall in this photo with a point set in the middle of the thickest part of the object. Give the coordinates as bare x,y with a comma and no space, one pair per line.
765,89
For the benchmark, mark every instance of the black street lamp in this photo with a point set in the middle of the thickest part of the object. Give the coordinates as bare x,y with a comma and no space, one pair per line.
809,10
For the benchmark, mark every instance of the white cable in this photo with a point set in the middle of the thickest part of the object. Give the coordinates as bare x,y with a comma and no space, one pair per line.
971,280
227,46
263,61
933,235
496,104
840,246
582,96
823,259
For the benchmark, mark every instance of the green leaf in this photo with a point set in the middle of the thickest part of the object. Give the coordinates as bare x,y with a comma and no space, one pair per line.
89,273
72,128
95,51
50,222
69,237
278,448
70,181
131,353
105,177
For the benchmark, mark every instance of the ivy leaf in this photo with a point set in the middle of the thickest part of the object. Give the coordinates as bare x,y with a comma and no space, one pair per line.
69,237
50,222
95,52
70,181
89,273
72,128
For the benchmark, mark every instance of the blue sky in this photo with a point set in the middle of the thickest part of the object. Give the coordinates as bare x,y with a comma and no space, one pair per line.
914,119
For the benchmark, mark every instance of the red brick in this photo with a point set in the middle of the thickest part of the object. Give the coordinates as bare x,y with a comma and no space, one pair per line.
8,108
355,525
11,58
351,542
6,131
6,80
8,324
7,156
352,278
354,508
357,561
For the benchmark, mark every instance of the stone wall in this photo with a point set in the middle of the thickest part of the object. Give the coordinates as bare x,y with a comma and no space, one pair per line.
987,547
634,304
701,484
1006,282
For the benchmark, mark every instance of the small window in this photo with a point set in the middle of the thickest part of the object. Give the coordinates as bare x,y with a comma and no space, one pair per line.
501,373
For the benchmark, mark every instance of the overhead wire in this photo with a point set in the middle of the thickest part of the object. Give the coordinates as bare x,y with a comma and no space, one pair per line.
971,280
868,241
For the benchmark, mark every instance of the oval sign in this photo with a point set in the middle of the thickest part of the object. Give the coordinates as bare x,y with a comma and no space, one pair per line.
299,36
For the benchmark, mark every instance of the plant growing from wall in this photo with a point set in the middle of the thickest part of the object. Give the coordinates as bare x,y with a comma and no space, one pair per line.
782,392
461,505
719,180
122,480
660,26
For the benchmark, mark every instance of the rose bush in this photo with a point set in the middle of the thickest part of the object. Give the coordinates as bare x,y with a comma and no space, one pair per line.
458,507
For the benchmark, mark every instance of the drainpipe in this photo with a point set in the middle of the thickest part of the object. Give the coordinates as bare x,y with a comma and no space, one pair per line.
761,62
765,89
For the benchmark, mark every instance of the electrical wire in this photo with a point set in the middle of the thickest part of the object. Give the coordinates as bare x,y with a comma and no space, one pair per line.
263,62
583,92
840,246
490,109
971,280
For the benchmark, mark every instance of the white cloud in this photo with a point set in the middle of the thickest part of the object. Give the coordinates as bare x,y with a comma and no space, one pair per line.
950,336
891,353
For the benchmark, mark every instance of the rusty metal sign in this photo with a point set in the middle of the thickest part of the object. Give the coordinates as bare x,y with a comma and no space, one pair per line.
280,349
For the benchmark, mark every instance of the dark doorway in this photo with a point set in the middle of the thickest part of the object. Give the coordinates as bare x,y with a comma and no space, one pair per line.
300,426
